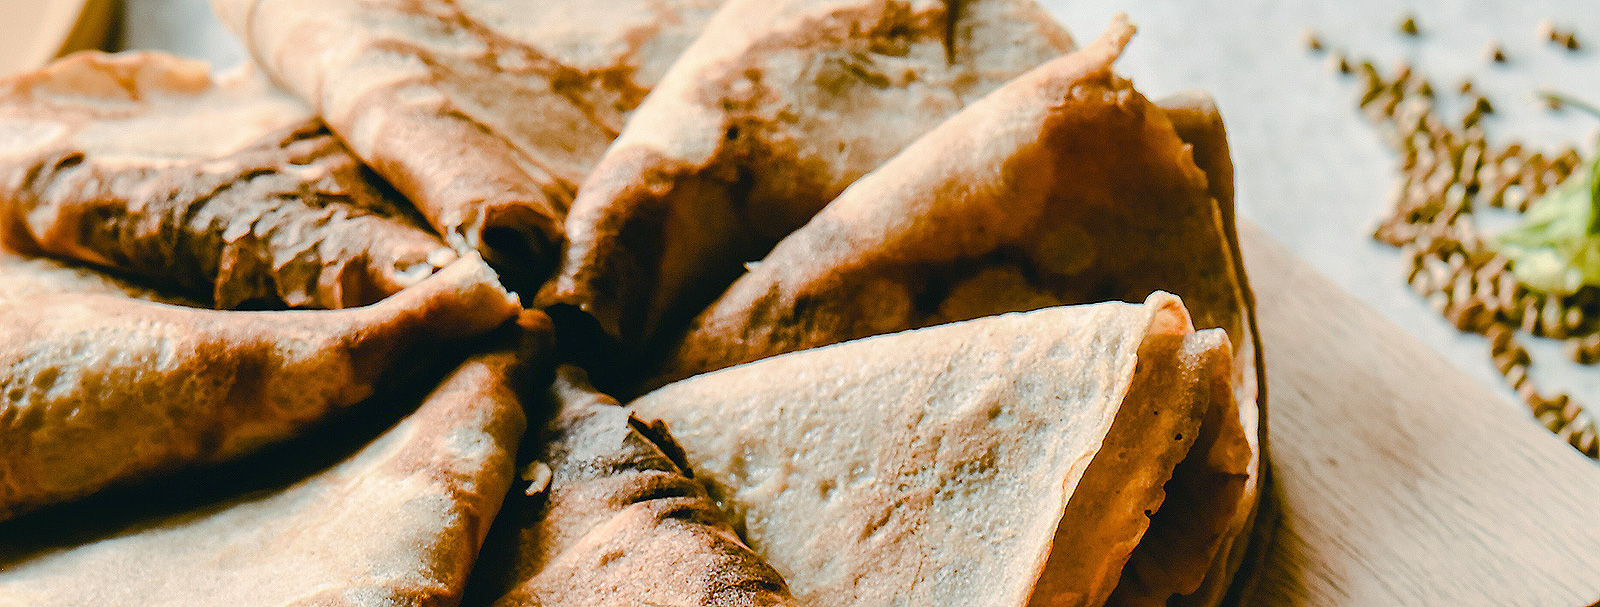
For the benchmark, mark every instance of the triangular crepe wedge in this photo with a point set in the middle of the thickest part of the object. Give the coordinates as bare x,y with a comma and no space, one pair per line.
776,108
485,113
102,389
1065,186
392,520
224,188
1005,461
610,516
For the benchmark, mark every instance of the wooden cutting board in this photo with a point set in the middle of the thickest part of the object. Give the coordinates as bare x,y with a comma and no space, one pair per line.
1397,479
32,32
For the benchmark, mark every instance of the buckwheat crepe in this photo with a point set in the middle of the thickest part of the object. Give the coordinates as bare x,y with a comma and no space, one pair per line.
24,277
225,189
104,389
1065,186
1195,117
398,521
1080,455
776,108
611,516
485,113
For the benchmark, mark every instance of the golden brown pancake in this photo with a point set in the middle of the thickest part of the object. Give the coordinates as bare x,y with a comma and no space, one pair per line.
1042,458
485,113
223,188
775,109
99,389
397,520
611,516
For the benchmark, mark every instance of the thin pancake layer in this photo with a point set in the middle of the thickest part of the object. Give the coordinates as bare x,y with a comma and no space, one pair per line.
485,113
775,109
398,522
153,387
1195,117
226,189
25,277
612,517
1064,186
990,462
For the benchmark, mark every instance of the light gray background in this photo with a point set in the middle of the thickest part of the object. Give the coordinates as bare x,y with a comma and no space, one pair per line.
1310,170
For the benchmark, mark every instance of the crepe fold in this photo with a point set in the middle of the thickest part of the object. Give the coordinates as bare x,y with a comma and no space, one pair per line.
1064,186
226,189
612,516
394,520
1080,455
24,277
99,390
485,113
776,108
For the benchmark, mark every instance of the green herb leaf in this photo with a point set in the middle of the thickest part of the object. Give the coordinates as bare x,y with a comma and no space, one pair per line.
1556,249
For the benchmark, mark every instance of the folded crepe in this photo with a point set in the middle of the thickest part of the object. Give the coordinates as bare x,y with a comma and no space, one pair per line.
24,277
394,521
104,389
776,108
611,516
1081,455
1065,186
485,113
226,189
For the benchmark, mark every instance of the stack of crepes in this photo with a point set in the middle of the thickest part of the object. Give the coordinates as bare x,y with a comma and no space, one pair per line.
910,303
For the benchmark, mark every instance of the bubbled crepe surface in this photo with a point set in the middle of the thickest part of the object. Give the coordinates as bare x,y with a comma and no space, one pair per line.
930,466
223,188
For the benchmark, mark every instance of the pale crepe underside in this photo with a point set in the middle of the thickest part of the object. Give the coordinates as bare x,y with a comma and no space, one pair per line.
399,522
933,467
776,108
225,188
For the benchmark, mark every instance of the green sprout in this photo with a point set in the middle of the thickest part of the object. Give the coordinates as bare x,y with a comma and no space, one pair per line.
1556,249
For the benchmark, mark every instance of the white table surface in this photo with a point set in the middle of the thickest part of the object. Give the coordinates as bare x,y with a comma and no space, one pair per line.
1309,168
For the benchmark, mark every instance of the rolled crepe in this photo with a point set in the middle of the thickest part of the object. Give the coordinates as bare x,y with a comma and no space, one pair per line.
485,113
1065,186
101,389
397,521
1081,455
228,189
775,109
611,516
